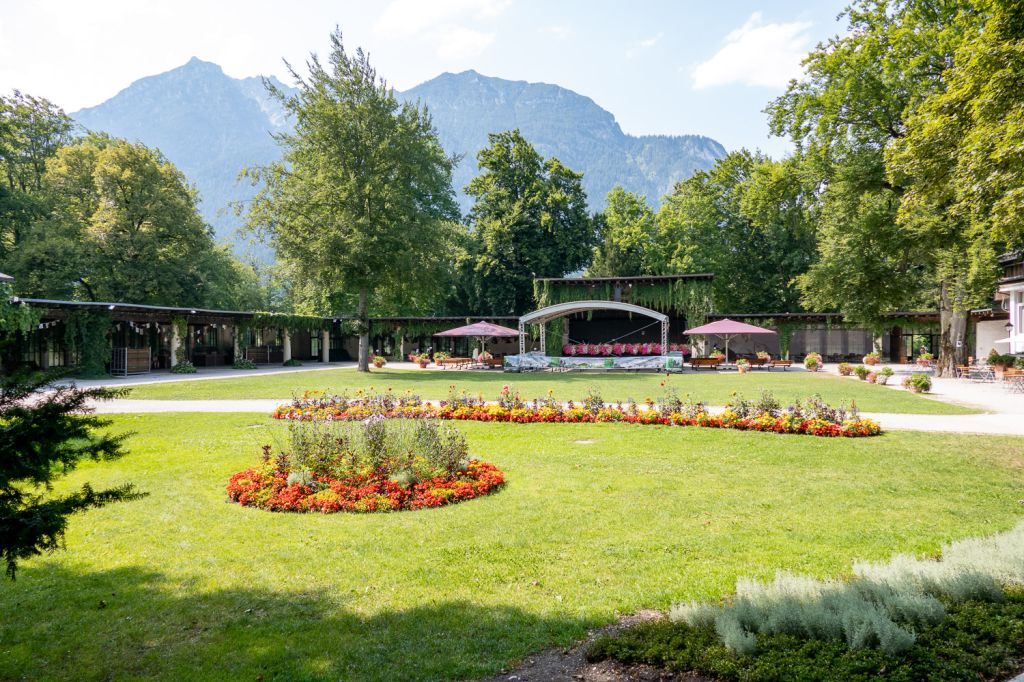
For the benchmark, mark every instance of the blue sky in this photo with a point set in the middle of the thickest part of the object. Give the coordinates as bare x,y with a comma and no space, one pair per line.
660,67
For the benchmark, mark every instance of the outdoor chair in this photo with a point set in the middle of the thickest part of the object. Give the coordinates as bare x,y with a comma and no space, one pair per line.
784,364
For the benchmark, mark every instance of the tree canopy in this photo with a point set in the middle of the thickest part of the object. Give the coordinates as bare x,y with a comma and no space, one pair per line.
362,203
529,219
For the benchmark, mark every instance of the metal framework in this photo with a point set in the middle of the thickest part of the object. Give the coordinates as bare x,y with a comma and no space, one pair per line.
553,312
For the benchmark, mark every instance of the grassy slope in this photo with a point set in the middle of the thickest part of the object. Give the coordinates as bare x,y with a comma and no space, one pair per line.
596,520
712,388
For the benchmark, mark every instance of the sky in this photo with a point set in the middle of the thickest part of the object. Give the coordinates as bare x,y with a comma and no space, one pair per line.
659,66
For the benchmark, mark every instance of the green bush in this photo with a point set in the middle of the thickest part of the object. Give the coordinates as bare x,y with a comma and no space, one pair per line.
292,362
917,383
996,358
184,367
243,363
861,371
977,640
845,369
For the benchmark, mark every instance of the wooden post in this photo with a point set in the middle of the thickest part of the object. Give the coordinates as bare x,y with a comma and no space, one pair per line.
287,344
235,354
325,346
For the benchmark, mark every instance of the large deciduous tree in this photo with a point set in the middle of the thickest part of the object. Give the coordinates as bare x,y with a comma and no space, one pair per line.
362,202
879,253
529,219
122,223
627,237
747,221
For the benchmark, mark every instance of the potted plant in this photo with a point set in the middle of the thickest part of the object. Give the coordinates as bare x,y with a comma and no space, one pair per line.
813,362
717,354
883,375
743,365
862,372
441,355
925,359
422,360
871,377
378,361
1000,362
917,383
845,369
873,358
763,355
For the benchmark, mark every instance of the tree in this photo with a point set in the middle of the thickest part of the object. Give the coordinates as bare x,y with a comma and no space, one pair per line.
747,221
852,106
529,219
627,237
363,199
32,129
46,435
122,223
962,160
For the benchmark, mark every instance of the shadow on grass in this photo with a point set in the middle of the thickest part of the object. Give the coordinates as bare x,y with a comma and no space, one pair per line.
128,623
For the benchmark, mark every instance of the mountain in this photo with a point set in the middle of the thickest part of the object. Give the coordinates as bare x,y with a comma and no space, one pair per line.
212,126
559,122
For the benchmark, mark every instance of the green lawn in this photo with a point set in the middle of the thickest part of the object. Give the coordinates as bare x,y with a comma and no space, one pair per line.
596,520
710,387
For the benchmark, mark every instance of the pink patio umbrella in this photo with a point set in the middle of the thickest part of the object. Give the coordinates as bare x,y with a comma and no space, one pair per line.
727,329
482,330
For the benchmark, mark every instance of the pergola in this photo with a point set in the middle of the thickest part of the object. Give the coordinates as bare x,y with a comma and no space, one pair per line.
553,312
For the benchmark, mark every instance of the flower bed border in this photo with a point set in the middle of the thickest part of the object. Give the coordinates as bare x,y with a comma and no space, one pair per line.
785,423
267,488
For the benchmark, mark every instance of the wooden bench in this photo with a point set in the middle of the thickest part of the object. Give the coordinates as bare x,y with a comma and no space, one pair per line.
710,363
784,364
757,362
493,362
458,363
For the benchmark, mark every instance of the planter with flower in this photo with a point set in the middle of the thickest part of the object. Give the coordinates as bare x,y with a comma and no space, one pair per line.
925,359
422,360
873,358
861,372
378,361
763,355
1000,363
375,465
883,375
871,377
845,369
717,354
917,383
743,365
812,361
441,355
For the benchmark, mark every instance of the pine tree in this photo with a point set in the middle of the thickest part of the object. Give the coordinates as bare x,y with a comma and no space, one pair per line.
47,430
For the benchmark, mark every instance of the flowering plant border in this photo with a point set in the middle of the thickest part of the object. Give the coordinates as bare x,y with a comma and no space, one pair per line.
823,421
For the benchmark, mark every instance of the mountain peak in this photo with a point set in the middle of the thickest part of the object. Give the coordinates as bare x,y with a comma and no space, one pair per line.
195,64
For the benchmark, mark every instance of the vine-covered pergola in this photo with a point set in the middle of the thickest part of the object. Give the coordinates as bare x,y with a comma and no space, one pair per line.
544,315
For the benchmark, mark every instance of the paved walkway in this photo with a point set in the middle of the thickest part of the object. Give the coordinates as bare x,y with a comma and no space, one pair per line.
206,374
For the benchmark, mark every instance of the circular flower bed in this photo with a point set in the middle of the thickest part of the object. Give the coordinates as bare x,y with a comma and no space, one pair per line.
366,466
268,488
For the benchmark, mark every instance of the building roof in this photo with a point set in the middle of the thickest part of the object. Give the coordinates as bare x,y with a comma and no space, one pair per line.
632,279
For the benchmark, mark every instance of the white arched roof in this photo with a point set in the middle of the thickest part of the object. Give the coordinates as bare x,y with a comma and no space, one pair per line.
561,309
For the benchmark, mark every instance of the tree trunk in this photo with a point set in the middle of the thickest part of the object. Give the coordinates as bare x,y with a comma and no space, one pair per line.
364,332
952,333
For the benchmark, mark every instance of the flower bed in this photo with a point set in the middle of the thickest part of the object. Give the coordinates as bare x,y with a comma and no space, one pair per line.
620,349
267,487
811,417
372,466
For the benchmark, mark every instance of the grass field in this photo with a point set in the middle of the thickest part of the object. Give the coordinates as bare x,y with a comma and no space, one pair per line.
596,520
710,387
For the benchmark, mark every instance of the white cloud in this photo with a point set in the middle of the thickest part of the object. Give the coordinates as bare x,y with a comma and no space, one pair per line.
559,32
459,42
764,55
409,17
652,41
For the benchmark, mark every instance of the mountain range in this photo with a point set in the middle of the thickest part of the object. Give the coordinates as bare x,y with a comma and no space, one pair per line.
212,126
